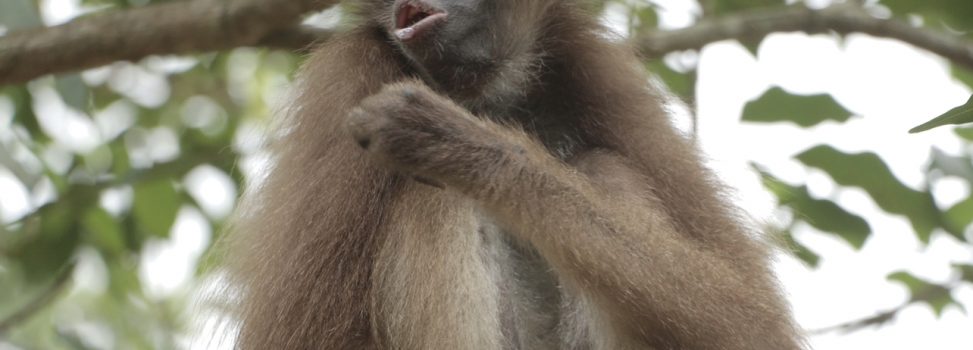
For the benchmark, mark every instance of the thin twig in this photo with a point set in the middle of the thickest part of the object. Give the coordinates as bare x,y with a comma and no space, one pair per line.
885,316
42,300
841,18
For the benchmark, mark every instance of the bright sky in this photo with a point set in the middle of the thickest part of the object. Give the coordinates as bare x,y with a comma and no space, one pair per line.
888,85
891,87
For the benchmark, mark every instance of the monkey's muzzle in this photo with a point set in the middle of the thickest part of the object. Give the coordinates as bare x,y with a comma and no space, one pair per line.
415,17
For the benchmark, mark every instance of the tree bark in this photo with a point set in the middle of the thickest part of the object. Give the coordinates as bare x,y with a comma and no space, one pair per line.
169,28
214,25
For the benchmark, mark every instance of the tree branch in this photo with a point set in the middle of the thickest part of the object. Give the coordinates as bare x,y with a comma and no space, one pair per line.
169,28
881,318
842,18
212,25
47,296
297,38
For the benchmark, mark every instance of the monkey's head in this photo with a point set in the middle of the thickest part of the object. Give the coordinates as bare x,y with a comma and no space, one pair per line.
464,45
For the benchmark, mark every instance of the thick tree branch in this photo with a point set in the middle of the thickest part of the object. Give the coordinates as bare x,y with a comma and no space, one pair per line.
212,25
843,19
297,38
170,28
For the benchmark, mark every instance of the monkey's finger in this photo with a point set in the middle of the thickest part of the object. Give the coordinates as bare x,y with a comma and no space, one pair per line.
362,125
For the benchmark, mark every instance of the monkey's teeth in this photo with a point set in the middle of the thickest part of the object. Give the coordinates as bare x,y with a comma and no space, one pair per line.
405,33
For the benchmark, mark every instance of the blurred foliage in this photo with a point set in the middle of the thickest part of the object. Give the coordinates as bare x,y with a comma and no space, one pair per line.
776,105
823,214
98,206
110,161
952,14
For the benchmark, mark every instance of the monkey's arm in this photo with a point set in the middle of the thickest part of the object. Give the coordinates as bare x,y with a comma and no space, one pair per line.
595,221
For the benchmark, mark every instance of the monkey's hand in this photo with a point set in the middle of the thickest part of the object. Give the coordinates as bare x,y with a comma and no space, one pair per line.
412,129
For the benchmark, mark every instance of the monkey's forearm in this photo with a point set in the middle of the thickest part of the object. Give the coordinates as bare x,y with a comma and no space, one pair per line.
598,223
611,237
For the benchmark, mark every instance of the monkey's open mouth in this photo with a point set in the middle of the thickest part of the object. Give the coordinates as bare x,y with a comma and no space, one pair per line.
414,17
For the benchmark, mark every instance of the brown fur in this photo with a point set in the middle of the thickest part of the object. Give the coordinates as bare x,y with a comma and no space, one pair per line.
572,214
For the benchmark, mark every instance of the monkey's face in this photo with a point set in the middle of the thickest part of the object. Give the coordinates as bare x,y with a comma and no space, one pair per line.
461,44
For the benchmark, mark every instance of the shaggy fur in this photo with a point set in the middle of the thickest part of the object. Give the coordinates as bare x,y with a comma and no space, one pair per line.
556,206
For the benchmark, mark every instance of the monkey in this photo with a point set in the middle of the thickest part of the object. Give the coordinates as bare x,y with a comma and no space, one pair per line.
492,174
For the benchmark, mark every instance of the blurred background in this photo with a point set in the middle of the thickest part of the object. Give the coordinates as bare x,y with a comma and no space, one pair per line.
116,181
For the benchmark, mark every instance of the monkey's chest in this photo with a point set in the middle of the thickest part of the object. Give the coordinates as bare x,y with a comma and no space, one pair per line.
528,297
447,277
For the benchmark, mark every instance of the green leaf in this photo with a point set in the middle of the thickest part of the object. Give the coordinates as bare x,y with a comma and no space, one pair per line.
954,219
103,231
934,295
97,161
24,111
681,84
956,14
913,283
720,7
121,164
962,74
751,44
868,172
958,115
776,105
647,17
951,165
155,206
964,132
960,215
73,91
823,215
46,242
100,3
19,14
123,279
966,272
799,250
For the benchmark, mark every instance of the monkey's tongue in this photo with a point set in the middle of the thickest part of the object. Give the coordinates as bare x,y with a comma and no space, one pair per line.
405,33
423,20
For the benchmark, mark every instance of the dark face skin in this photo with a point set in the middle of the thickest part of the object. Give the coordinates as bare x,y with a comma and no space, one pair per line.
453,43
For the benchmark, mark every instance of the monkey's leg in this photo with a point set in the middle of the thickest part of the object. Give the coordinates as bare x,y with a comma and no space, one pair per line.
596,222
